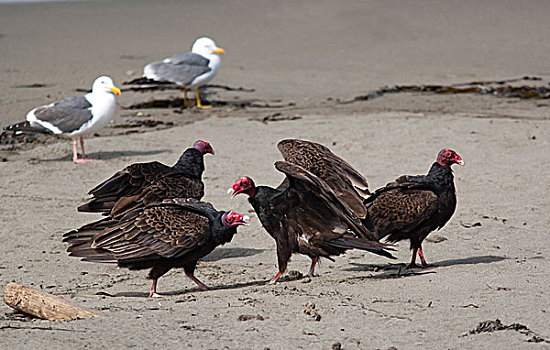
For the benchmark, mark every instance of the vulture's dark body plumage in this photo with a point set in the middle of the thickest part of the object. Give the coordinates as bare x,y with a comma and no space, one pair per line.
161,236
314,211
141,184
413,206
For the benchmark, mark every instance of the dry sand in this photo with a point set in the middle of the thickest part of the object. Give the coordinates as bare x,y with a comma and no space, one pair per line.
308,53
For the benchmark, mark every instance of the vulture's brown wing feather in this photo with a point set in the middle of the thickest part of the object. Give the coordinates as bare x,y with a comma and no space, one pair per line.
173,185
127,182
320,216
402,183
203,208
163,230
346,182
135,175
409,179
402,211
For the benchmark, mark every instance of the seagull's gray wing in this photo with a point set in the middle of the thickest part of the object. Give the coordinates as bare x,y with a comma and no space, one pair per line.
181,69
188,58
67,115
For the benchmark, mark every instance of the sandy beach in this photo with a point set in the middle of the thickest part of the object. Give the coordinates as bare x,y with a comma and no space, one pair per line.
302,60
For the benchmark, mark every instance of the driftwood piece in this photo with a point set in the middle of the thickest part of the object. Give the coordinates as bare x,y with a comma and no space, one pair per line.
44,305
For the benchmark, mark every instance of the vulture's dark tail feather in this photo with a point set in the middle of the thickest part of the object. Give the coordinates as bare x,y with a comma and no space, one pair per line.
359,243
99,205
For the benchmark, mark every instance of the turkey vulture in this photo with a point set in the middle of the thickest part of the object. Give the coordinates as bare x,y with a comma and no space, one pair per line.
413,206
307,214
140,184
172,233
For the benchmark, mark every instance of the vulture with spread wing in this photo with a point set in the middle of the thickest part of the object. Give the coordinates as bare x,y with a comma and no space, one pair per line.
317,210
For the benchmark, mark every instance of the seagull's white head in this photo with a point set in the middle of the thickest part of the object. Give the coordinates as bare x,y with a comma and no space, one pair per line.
105,84
206,47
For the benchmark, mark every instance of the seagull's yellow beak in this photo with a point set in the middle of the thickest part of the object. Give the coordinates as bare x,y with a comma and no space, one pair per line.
115,90
219,50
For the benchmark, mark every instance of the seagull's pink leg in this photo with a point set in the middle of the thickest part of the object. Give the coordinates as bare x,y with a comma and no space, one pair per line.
201,285
82,148
83,159
75,152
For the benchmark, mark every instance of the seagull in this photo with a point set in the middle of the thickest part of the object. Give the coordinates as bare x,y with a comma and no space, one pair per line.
190,70
74,116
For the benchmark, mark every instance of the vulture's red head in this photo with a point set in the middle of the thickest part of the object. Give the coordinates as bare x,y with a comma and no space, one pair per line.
448,157
242,185
232,219
203,147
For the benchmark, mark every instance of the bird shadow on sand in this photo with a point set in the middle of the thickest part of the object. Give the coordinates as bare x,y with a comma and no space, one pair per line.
182,292
395,271
216,255
399,270
228,253
289,277
473,260
110,155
